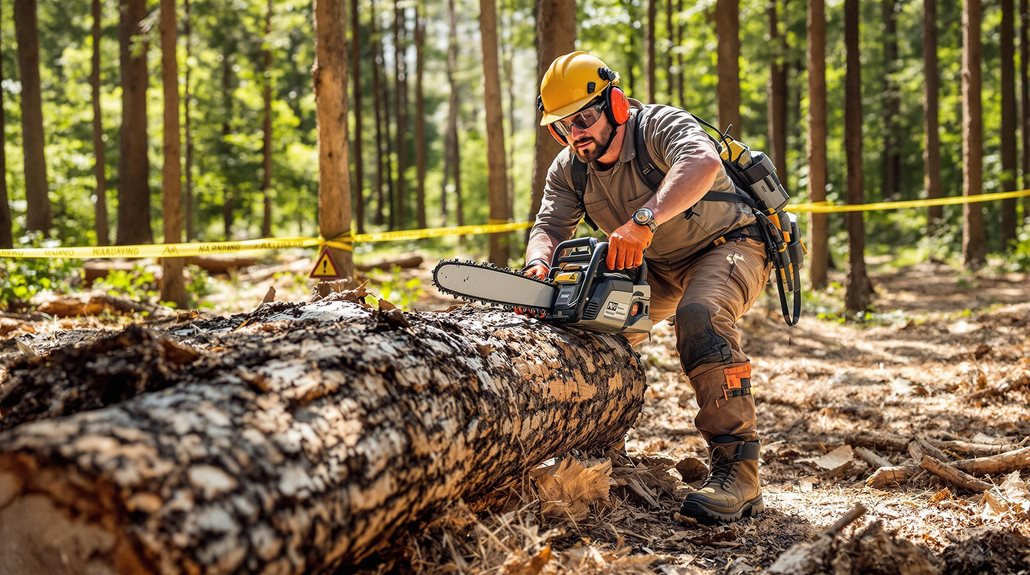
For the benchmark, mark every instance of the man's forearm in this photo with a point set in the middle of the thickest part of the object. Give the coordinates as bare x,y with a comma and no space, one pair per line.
683,186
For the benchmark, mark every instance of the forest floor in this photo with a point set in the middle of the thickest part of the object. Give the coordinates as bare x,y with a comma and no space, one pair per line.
945,357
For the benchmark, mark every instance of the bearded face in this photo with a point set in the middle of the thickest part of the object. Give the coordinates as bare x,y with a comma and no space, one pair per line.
589,144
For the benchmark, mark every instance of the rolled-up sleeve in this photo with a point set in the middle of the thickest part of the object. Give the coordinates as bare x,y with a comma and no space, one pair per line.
560,212
675,136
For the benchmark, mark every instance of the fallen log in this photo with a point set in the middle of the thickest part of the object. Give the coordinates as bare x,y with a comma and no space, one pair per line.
953,476
1018,459
304,440
221,264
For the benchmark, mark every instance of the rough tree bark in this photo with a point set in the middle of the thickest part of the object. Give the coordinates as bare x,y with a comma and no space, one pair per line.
974,238
777,92
1024,89
173,285
399,211
727,26
329,75
859,291
6,231
555,35
382,172
420,117
187,105
891,168
649,42
37,198
99,163
266,128
1009,123
819,249
295,457
497,176
931,86
133,163
225,148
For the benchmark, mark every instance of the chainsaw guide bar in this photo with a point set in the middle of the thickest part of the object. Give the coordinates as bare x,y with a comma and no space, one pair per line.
476,281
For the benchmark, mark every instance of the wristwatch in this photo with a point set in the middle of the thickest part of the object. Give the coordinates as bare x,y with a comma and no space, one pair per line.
645,217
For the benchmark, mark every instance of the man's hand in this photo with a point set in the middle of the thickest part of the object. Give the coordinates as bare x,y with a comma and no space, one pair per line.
626,246
538,271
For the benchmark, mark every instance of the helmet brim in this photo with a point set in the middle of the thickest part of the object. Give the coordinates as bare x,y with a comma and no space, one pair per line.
552,117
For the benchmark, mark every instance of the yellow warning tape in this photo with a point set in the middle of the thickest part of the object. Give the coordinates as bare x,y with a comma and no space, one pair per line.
827,208
346,241
182,250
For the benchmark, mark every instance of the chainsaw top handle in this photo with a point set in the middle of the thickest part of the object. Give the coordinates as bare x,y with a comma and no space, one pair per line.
593,257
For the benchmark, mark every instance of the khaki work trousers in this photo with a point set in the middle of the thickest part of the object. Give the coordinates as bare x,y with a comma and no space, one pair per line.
707,295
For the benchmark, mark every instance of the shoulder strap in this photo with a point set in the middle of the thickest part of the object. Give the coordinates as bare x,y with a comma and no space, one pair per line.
579,184
649,171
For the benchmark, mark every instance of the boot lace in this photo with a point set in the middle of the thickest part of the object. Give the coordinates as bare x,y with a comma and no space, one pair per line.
724,469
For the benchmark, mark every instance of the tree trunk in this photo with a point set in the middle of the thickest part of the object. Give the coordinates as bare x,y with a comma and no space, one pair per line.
497,173
974,241
555,35
680,25
173,285
228,183
1009,123
819,248
382,173
931,87
36,188
355,73
777,90
420,117
891,167
670,57
649,41
329,75
859,291
266,128
299,456
187,199
389,141
133,162
451,151
399,212
99,163
1024,66
727,26
508,51
6,229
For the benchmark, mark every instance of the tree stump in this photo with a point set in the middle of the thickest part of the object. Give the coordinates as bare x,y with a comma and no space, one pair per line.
300,439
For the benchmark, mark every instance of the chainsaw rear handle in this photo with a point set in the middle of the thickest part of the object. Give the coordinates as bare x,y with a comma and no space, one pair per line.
598,251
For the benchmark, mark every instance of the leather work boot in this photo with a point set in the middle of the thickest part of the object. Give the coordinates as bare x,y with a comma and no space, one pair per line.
731,490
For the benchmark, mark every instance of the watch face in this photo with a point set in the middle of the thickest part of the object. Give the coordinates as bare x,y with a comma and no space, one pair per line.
642,216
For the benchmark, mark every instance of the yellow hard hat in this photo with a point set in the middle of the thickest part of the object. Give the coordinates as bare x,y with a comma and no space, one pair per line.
570,83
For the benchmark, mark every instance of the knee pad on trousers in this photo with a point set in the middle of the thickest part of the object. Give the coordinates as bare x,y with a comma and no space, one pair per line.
698,342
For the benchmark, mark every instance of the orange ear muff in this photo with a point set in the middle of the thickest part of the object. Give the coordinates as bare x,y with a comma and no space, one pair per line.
558,137
618,105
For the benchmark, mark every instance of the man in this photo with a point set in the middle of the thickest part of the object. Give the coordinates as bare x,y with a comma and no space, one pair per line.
706,266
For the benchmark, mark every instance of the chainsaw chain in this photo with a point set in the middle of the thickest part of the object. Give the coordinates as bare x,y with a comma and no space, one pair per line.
489,266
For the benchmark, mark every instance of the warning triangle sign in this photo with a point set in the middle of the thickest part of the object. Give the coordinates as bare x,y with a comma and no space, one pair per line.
325,267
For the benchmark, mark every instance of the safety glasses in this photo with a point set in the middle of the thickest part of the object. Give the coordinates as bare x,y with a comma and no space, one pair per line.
582,119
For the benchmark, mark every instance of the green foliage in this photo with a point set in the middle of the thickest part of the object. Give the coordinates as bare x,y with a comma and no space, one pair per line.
22,278
401,292
1020,257
198,286
138,284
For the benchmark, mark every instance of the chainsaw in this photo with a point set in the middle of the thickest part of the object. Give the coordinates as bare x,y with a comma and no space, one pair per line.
579,291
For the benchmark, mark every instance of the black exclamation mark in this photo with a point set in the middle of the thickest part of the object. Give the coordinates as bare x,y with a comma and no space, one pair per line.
325,262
